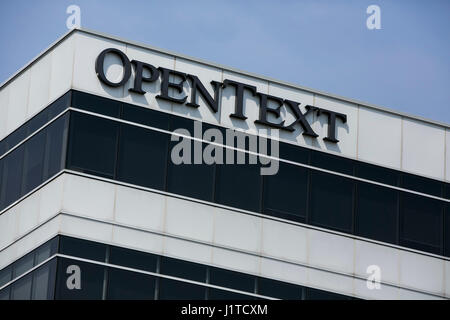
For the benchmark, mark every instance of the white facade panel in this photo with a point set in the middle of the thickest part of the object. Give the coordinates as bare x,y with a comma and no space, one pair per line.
139,208
61,68
87,48
423,148
39,85
284,241
387,260
236,230
18,101
379,137
4,103
89,197
422,273
189,220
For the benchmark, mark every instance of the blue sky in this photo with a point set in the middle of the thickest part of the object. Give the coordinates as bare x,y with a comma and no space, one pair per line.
324,45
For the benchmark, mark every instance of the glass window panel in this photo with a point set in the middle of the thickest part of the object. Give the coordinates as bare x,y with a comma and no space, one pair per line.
285,193
331,162
38,121
447,230
142,157
177,290
2,147
5,275
133,259
376,173
23,265
82,248
217,294
44,281
59,105
34,162
331,201
421,223
231,279
54,158
21,289
181,123
278,289
4,293
192,180
315,294
91,281
12,175
376,215
183,269
46,250
16,136
93,145
124,285
239,185
146,116
93,103
294,153
423,185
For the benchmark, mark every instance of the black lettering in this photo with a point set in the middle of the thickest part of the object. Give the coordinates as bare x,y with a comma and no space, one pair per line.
166,84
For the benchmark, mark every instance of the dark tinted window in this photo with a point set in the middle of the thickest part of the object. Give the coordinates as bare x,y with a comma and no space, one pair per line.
375,173
376,215
23,265
294,153
239,185
142,157
38,121
12,175
46,250
421,223
5,275
82,248
421,184
130,285
190,179
93,145
331,162
231,279
91,280
59,105
177,290
280,290
54,146
183,269
133,259
217,294
4,293
285,193
44,281
447,230
331,201
21,289
315,294
145,116
96,104
34,161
